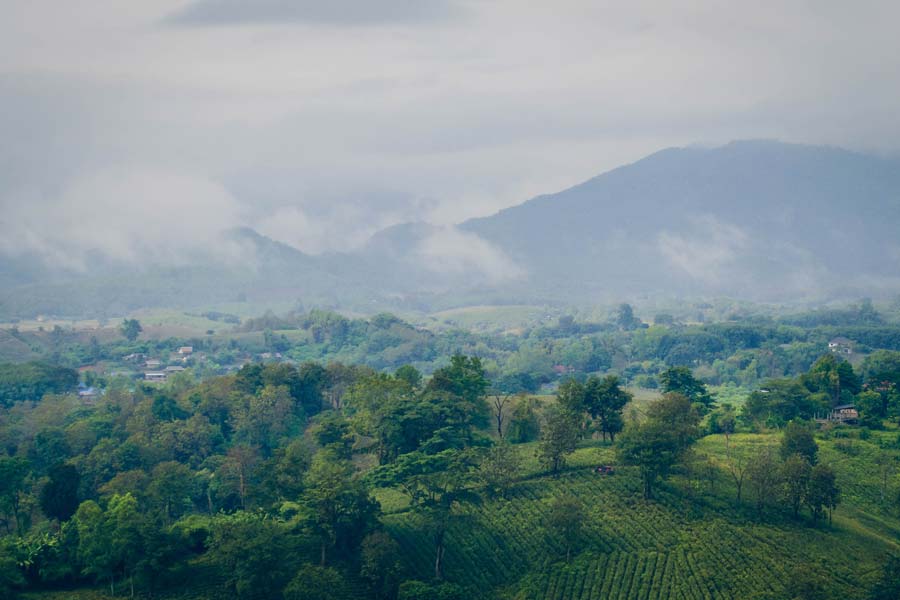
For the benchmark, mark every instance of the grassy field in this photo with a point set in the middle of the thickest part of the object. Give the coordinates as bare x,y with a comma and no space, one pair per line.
489,318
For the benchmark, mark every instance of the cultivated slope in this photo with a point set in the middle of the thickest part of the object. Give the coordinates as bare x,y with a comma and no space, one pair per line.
691,542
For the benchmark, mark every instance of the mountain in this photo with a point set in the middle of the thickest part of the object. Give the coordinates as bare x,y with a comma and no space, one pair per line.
758,220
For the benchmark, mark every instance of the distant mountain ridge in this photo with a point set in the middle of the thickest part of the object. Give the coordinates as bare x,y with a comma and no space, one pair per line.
759,220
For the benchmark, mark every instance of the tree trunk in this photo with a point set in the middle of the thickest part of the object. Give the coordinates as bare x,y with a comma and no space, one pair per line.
439,557
241,476
322,557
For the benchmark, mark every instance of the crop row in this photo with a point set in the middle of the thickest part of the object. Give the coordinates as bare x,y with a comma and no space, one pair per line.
629,548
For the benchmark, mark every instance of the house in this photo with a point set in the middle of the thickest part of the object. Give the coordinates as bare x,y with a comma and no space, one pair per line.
186,350
844,413
841,345
87,393
152,364
154,376
173,369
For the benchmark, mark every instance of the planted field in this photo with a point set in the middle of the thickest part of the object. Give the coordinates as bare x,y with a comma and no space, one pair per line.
673,547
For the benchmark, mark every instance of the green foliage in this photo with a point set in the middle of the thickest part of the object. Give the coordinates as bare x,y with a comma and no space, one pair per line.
316,583
500,467
419,590
798,439
604,400
823,493
32,380
252,554
341,509
131,329
381,567
566,520
657,443
559,436
59,497
524,423
887,587
681,380
795,474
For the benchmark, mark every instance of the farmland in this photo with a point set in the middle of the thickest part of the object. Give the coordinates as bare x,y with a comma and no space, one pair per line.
688,543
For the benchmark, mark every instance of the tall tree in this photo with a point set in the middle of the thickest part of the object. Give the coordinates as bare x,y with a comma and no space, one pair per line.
682,381
342,511
499,407
559,436
13,471
59,497
798,439
566,520
795,474
314,582
94,543
130,329
524,423
381,568
823,493
437,484
250,552
500,467
605,400
661,440
763,476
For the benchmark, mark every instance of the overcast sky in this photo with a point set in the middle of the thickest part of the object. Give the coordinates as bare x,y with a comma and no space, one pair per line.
148,125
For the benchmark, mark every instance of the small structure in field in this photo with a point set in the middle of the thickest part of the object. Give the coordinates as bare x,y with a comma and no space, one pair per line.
157,377
843,413
841,345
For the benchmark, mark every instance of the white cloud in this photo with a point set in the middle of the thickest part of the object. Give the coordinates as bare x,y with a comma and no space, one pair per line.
707,251
451,251
130,215
472,114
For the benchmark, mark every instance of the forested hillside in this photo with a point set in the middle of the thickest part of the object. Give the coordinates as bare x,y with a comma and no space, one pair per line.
325,481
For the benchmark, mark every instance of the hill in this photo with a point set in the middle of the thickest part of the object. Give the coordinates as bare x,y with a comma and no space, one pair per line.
691,542
749,219
758,220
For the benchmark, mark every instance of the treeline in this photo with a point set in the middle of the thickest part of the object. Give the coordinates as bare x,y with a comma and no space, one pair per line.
741,352
249,483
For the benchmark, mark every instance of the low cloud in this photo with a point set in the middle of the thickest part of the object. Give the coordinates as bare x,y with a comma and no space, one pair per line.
707,251
136,216
453,252
332,12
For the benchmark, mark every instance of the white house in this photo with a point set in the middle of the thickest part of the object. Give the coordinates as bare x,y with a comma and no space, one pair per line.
841,345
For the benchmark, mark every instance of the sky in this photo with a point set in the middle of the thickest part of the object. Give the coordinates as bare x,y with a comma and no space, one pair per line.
149,127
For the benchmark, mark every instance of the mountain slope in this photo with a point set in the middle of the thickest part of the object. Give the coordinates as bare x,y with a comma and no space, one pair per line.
759,219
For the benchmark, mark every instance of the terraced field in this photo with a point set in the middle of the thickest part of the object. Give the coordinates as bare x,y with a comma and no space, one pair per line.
681,545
